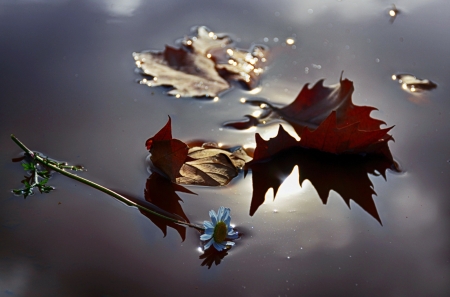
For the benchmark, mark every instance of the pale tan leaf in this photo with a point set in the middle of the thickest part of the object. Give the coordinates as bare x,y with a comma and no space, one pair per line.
191,75
216,170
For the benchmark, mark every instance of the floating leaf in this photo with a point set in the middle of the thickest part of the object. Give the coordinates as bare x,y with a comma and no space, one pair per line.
244,66
206,166
200,67
191,75
326,119
412,84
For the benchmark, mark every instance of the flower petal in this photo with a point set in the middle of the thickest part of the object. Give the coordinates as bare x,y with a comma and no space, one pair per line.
208,224
209,231
230,243
220,214
218,246
227,220
205,237
213,216
232,235
208,244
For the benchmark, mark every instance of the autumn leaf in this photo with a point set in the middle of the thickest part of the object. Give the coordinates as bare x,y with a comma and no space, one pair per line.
345,174
191,75
201,66
412,84
207,166
325,119
167,154
242,65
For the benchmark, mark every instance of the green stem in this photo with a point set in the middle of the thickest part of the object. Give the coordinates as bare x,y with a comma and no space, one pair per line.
49,164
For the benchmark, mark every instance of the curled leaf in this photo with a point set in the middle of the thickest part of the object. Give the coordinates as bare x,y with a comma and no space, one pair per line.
216,170
208,165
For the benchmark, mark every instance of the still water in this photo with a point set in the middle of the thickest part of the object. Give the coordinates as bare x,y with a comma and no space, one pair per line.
69,89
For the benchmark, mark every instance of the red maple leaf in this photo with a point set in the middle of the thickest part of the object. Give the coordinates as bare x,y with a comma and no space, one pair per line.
326,119
168,154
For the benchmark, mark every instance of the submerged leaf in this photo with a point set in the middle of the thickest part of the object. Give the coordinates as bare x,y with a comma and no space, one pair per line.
200,68
190,74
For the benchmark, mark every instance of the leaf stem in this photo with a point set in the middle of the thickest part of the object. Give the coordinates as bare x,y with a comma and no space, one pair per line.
125,200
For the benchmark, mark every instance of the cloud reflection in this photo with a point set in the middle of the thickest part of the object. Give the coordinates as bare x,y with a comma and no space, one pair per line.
119,7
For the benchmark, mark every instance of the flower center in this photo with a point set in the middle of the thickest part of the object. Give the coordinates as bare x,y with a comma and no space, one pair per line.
220,232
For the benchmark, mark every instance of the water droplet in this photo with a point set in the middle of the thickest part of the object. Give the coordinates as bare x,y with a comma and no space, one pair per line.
310,11
377,60
290,41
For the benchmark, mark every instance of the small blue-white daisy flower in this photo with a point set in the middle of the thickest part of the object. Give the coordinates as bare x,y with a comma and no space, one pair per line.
219,229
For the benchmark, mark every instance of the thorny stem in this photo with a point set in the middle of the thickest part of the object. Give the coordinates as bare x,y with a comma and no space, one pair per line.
125,200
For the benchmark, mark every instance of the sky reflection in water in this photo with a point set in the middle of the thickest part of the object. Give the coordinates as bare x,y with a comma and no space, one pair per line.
77,63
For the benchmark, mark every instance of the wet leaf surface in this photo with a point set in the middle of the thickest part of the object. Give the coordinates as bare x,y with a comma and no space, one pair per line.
202,66
412,84
345,174
326,119
206,166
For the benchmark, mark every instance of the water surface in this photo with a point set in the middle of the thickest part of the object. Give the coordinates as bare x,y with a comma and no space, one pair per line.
69,90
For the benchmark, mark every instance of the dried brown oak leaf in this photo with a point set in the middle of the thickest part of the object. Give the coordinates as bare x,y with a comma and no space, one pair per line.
205,166
200,68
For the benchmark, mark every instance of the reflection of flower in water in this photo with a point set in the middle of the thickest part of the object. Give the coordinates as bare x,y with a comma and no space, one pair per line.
218,230
211,256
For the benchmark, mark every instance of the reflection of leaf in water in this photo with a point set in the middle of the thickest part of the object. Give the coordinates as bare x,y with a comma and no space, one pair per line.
345,174
212,256
161,192
412,84
201,66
